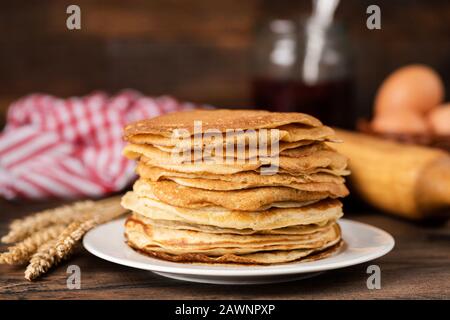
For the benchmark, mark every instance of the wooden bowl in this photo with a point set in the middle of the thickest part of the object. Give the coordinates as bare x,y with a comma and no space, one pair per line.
428,140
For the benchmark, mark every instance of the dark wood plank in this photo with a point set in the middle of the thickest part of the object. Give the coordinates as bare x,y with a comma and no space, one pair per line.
197,50
416,268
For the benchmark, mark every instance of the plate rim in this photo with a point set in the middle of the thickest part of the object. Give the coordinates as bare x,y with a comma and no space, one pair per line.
282,269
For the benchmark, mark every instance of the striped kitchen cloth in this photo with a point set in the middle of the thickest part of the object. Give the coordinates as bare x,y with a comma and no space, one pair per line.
71,148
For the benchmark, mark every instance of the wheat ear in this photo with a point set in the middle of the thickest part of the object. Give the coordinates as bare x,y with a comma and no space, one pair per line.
51,253
22,228
21,252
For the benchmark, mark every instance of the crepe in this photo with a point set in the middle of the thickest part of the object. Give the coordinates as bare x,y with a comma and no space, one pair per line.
264,258
292,150
197,246
248,178
186,241
253,199
282,145
290,136
234,187
219,185
180,157
179,225
273,218
219,120
253,178
308,163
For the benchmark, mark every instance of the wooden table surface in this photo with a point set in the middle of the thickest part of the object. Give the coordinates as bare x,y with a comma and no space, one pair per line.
418,267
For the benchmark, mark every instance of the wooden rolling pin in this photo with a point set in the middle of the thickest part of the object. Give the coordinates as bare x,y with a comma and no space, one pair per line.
410,181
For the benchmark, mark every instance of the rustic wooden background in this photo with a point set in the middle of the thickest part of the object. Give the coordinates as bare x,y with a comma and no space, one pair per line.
417,268
197,50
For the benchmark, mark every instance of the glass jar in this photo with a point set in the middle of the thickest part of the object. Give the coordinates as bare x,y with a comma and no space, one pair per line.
298,70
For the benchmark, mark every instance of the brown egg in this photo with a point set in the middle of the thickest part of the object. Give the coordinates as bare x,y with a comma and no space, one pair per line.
439,119
413,88
400,123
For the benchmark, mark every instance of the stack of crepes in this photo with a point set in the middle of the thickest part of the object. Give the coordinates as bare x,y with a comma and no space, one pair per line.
227,208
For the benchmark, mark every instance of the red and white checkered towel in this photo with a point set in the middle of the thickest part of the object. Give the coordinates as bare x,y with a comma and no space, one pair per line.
69,148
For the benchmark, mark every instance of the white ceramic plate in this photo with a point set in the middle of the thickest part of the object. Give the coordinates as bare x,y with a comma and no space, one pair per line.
362,243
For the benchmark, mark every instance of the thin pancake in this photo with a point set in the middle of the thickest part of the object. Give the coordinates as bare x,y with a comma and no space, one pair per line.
248,177
273,218
190,156
282,145
253,199
178,225
294,132
264,258
219,119
290,136
219,185
260,206
184,241
306,164
310,149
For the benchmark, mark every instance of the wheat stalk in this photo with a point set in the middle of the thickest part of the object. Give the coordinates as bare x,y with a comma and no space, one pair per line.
22,228
21,252
51,253
42,260
64,244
